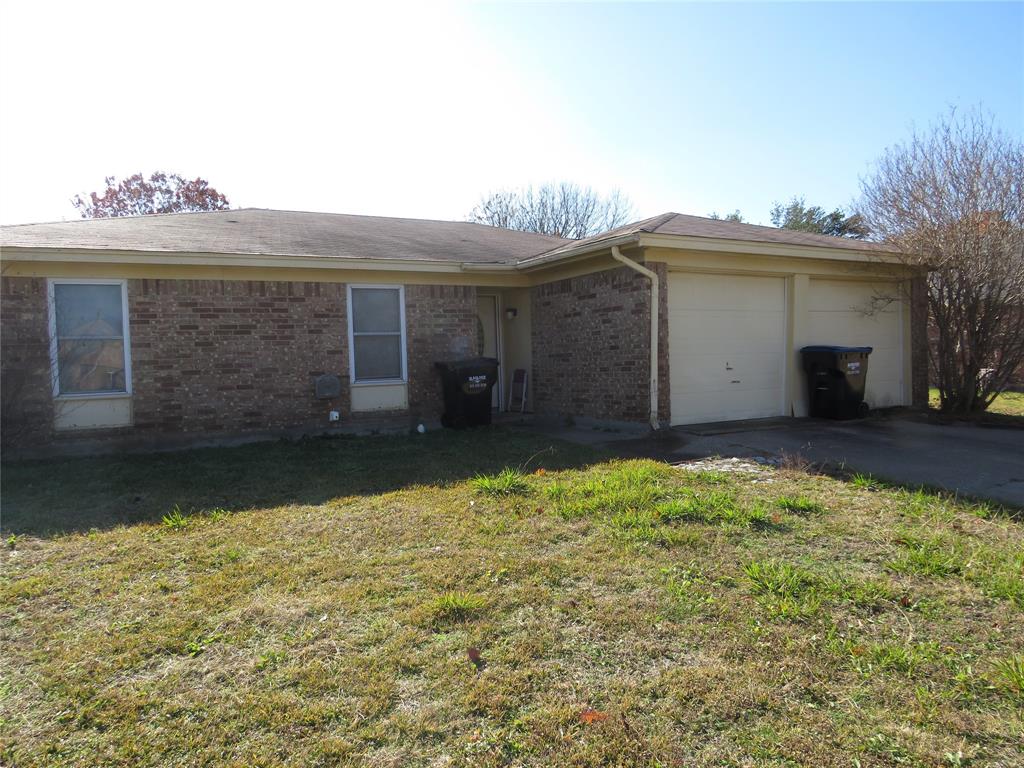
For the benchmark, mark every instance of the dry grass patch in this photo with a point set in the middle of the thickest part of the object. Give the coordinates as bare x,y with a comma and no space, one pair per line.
365,602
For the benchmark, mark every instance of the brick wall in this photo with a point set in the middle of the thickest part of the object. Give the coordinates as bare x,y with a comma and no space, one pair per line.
441,324
231,356
26,412
591,346
217,358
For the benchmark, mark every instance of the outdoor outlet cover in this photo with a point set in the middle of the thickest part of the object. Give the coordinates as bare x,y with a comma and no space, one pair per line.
334,416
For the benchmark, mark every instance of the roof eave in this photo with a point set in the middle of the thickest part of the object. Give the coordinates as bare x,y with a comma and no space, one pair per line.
761,248
201,258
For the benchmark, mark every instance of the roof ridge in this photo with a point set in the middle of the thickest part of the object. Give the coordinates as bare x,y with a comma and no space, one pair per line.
136,216
288,210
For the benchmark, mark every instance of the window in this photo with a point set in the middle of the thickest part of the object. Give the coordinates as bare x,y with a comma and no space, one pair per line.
376,323
89,337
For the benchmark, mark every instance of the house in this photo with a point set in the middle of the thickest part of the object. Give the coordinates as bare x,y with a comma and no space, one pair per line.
183,328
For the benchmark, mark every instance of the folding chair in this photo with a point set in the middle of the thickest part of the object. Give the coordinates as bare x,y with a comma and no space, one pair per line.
517,392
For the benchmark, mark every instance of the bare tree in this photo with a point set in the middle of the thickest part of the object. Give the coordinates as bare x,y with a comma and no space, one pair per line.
951,200
564,210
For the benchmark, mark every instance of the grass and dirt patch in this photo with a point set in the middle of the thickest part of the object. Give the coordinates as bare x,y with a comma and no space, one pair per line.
488,598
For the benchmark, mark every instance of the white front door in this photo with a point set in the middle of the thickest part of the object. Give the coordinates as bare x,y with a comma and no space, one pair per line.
487,311
727,347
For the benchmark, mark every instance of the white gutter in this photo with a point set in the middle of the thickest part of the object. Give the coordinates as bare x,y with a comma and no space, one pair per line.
653,277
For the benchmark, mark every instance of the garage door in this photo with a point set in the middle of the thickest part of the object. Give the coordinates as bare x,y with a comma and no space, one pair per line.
868,314
727,338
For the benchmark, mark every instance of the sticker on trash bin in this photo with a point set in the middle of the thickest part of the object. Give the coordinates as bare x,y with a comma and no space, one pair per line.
475,383
853,366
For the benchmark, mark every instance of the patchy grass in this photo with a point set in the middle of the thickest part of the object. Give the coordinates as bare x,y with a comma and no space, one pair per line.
508,482
367,602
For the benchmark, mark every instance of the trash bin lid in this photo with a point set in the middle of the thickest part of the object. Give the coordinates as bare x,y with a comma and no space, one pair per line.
472,362
837,350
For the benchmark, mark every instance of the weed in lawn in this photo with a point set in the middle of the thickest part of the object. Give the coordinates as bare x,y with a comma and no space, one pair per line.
454,607
199,644
12,541
904,658
864,482
269,659
870,594
785,592
1008,675
557,491
175,519
689,588
928,556
710,477
508,482
1001,582
799,505
774,577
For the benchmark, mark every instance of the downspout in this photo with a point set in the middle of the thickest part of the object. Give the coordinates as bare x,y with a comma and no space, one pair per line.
653,277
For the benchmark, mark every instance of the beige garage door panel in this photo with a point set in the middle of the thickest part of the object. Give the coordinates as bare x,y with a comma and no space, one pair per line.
726,347
870,314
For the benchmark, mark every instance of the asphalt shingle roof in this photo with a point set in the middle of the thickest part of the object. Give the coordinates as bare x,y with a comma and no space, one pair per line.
698,226
257,231
288,233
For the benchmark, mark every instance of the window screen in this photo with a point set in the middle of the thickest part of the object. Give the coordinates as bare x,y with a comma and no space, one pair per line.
90,348
377,333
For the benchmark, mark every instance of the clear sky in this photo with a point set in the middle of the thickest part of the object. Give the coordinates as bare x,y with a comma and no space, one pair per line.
416,110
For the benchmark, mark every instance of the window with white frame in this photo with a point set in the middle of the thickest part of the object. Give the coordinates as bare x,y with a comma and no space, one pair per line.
376,328
89,345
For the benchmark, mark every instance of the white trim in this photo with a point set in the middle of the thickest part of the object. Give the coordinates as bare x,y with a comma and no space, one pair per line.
125,339
401,334
499,321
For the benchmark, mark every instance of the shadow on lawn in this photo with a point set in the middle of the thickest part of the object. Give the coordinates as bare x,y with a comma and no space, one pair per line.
43,498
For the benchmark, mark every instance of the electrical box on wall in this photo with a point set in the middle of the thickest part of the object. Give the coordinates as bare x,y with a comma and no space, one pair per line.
334,415
327,387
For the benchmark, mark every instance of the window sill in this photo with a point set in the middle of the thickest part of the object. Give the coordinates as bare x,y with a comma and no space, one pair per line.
379,383
93,396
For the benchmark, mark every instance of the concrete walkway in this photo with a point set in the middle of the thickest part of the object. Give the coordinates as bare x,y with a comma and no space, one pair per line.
984,462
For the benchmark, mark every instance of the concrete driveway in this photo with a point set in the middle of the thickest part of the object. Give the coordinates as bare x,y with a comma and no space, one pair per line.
985,462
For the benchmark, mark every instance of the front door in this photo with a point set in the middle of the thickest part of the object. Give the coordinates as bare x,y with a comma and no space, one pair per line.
487,311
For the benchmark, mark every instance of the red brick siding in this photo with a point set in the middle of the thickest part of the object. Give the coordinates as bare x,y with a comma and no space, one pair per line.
25,386
217,358
441,324
231,357
591,346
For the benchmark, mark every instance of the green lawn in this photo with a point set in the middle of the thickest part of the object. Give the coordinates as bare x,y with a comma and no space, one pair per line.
1006,403
372,602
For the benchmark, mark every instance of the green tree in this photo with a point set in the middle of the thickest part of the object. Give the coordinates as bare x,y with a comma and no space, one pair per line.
735,217
797,215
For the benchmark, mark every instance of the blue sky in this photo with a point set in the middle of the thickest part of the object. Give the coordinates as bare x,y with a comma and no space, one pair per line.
418,110
716,107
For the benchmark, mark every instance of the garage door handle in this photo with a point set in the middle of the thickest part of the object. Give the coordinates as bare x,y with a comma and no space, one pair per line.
735,381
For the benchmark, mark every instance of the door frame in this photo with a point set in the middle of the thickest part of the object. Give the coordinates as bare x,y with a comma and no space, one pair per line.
498,342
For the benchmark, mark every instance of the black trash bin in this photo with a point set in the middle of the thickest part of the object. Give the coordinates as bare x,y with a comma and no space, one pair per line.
835,380
467,391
